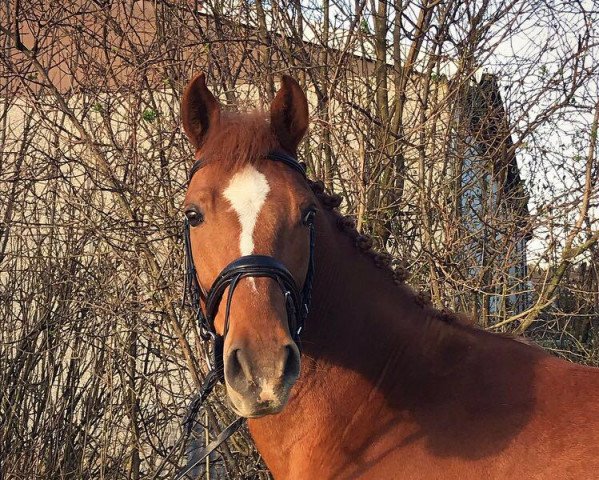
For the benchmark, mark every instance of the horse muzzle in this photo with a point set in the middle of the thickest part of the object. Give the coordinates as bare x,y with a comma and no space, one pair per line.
259,384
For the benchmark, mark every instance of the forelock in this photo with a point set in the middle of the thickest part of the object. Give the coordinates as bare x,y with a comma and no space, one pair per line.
239,139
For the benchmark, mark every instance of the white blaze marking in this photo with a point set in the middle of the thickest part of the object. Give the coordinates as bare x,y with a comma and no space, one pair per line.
247,193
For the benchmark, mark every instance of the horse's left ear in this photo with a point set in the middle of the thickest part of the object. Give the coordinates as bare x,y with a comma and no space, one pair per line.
289,114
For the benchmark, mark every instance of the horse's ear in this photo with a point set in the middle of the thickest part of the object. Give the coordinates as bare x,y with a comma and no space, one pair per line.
200,110
289,114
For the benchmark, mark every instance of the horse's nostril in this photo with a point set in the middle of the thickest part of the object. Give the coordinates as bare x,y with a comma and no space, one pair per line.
238,370
292,363
234,365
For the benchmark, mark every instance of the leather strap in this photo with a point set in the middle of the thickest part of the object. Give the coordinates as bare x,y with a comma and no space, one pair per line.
209,382
276,155
298,302
288,160
250,266
213,445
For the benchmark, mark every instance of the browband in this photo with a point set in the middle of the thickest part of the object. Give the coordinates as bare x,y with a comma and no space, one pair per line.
276,155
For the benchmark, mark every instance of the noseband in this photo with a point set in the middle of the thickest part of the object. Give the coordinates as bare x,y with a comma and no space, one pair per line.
249,266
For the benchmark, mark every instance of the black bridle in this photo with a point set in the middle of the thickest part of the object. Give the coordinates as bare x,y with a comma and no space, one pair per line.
254,266
297,301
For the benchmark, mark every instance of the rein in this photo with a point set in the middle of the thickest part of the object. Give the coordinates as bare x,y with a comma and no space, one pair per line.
248,266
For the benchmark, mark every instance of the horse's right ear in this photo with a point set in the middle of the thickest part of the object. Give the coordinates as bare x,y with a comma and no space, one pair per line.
200,110
289,114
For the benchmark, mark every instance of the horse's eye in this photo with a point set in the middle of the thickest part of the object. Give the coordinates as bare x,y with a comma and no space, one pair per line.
194,217
308,217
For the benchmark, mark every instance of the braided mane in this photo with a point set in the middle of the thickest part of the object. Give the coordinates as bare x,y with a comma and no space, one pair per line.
382,260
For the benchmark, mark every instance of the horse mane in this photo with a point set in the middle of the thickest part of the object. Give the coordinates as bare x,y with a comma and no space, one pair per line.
240,138
383,260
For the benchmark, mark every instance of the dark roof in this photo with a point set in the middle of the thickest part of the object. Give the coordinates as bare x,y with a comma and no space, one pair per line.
491,124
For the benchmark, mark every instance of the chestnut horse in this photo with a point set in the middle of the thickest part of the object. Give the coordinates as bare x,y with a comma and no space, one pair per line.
389,387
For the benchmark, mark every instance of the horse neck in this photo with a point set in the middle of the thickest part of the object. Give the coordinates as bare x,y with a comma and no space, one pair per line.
358,312
361,328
